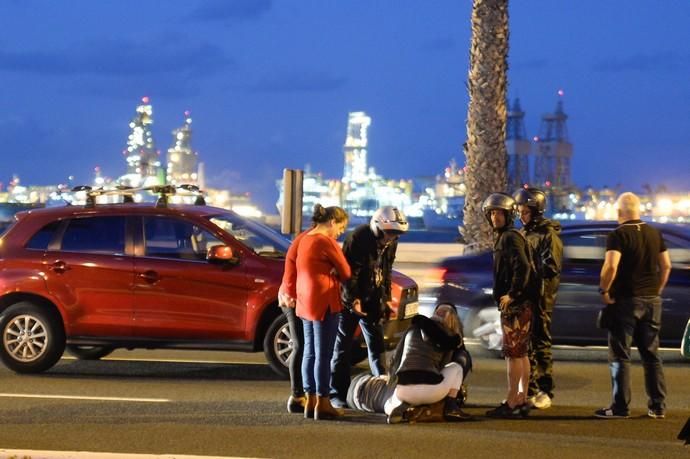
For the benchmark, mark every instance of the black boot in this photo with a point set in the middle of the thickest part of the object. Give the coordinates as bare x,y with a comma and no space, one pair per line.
452,411
296,404
505,411
399,414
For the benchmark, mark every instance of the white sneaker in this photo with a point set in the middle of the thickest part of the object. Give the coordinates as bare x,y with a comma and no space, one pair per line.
541,401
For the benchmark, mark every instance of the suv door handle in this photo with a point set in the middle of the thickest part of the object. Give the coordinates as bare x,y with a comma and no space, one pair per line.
59,267
150,276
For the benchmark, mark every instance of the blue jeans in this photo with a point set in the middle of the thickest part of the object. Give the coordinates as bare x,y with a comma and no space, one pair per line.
319,337
342,355
637,318
295,360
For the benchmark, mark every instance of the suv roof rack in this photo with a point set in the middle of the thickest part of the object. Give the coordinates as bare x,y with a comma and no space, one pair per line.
163,192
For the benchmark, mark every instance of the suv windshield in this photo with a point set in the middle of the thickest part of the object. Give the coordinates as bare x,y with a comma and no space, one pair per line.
4,226
261,239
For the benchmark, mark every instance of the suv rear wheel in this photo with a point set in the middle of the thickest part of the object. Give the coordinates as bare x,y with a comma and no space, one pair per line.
33,339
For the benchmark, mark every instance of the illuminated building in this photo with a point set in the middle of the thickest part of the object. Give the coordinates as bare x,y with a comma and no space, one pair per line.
442,206
360,191
182,160
363,191
356,148
362,199
315,190
143,170
143,162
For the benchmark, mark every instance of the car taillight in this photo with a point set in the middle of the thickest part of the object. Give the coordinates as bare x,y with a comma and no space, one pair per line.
434,277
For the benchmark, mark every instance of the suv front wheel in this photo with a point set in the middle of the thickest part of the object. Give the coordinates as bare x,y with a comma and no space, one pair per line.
89,352
278,345
33,339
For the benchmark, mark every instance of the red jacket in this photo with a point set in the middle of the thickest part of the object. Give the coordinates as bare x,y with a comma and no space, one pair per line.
320,266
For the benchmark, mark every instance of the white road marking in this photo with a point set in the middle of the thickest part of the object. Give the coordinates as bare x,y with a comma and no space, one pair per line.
84,397
137,359
34,454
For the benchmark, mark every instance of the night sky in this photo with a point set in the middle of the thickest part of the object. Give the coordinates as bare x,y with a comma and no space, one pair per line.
270,84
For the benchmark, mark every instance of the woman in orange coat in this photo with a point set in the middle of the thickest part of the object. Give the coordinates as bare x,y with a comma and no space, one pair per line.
320,267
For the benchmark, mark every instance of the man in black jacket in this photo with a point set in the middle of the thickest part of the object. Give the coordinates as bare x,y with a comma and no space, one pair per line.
515,293
547,253
370,251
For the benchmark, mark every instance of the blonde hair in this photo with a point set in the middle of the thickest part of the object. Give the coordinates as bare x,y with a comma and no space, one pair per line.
449,318
628,205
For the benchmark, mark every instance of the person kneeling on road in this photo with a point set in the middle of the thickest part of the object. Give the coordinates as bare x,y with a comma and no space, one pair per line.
428,367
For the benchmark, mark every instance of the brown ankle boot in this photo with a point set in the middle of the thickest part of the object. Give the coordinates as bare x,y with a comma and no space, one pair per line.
324,409
309,406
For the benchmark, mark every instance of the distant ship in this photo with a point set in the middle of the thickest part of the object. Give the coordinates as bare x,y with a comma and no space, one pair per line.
450,219
445,209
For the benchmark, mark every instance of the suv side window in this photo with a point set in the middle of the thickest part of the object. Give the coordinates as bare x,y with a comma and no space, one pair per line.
678,249
102,235
584,246
43,237
166,237
262,240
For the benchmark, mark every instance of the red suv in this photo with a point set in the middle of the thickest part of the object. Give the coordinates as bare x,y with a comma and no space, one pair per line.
98,277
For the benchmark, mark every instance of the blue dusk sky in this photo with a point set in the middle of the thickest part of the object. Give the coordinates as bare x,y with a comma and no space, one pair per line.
270,84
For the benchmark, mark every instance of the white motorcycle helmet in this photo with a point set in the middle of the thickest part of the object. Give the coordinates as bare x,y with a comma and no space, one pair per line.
388,219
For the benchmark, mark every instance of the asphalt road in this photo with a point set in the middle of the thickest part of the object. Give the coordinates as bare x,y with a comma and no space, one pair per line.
231,404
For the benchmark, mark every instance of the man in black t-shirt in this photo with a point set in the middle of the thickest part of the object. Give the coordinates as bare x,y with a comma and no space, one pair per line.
635,271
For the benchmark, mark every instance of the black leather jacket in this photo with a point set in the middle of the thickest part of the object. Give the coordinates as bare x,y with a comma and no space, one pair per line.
365,252
512,267
543,236
423,352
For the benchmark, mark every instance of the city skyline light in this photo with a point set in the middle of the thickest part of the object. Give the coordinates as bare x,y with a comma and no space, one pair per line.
270,85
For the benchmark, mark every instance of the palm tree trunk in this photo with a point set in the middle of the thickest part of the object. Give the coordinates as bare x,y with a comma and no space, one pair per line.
485,149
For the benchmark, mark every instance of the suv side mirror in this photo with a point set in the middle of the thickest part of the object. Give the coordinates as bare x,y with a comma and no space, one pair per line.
222,254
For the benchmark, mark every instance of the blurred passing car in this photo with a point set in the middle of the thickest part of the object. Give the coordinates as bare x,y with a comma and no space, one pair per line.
95,278
466,282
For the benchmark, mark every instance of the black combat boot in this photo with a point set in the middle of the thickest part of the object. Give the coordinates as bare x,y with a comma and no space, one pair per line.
452,411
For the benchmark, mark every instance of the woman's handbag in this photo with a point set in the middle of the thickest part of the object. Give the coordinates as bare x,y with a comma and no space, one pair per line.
606,317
